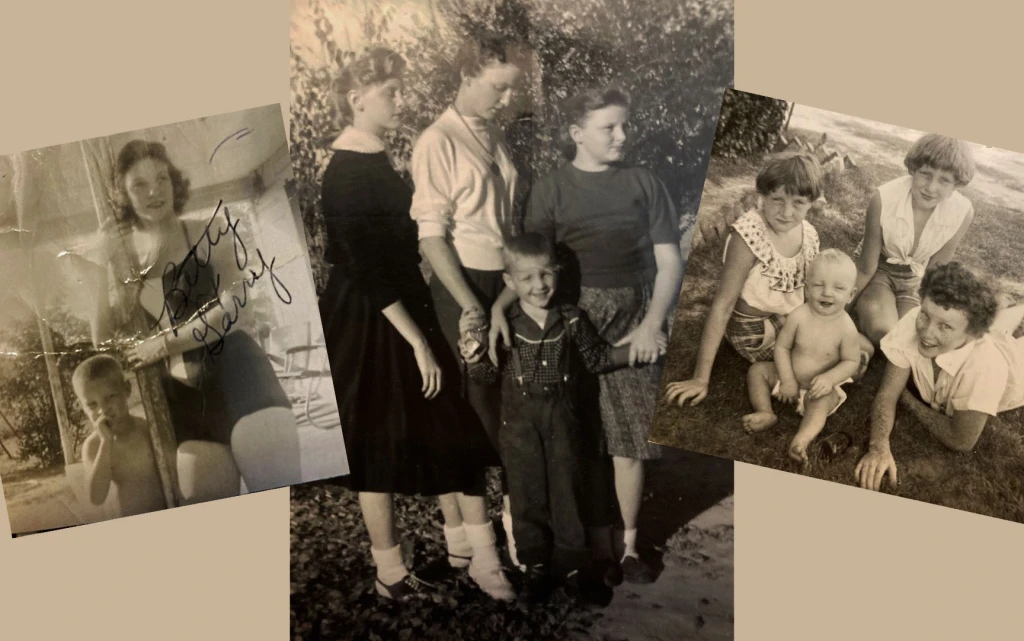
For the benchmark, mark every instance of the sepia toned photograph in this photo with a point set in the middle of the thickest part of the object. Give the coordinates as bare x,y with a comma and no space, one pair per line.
160,344
852,307
498,197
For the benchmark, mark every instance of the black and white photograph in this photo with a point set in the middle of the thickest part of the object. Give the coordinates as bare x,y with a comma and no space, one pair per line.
499,197
160,340
868,284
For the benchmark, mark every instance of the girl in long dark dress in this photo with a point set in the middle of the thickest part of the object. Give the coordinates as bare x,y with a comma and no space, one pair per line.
405,426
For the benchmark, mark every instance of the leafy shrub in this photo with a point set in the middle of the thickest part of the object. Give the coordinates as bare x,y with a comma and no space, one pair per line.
749,124
674,57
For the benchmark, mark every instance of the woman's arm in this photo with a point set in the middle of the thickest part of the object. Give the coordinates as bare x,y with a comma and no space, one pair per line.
430,371
667,284
959,433
738,262
945,254
871,248
878,462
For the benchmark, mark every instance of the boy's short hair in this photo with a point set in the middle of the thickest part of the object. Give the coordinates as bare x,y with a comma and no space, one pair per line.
528,245
833,256
942,153
799,173
94,368
953,286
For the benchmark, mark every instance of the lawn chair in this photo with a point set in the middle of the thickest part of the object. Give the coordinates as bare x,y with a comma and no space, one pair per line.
299,355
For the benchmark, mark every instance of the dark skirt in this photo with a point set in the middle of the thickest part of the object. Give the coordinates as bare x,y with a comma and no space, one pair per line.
397,441
236,382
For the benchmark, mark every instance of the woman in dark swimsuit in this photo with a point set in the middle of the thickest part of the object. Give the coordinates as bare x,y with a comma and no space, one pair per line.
231,417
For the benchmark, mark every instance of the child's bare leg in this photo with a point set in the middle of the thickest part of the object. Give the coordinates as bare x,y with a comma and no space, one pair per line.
816,411
761,378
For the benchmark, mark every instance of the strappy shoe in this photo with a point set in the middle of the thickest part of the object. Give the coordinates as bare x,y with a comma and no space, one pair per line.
409,587
459,561
492,580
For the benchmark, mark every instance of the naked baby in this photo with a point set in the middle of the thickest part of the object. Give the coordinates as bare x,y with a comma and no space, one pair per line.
118,452
817,351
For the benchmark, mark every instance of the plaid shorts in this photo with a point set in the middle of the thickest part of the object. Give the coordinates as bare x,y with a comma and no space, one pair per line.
753,337
900,280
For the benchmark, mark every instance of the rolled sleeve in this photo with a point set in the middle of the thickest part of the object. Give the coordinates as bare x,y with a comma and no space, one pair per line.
982,384
432,168
664,221
900,344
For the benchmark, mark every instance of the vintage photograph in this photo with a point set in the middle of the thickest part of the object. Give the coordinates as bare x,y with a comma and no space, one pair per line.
497,195
159,337
867,281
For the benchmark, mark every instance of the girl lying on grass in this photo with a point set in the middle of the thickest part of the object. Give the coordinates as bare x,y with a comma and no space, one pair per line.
963,373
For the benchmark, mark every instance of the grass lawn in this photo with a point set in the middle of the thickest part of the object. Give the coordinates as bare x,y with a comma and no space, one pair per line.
989,480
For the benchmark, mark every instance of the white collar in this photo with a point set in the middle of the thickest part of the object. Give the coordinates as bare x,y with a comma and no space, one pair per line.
352,139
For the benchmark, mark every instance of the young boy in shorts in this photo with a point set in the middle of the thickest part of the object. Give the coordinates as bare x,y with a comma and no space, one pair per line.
541,437
118,452
817,351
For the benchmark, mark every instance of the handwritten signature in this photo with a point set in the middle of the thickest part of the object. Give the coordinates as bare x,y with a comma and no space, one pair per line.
179,279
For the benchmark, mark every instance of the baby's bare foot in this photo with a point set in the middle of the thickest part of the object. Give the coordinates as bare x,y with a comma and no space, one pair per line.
798,451
759,421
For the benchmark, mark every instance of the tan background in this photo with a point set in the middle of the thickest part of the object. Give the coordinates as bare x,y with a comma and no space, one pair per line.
814,561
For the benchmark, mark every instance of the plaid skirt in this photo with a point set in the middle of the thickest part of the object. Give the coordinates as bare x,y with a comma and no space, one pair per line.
753,337
627,396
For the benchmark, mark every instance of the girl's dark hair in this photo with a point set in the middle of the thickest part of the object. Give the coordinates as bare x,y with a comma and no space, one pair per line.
130,155
581,105
480,48
798,173
953,286
376,66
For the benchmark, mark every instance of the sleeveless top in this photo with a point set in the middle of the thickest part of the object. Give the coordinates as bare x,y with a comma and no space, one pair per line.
775,284
897,222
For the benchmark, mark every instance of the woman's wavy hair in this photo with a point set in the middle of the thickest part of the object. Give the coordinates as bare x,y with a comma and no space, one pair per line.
479,49
375,66
953,286
130,155
580,106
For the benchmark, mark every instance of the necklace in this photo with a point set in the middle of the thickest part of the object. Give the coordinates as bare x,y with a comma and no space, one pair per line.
489,156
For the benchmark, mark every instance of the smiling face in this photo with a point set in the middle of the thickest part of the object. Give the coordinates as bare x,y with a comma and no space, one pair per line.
601,138
931,186
830,286
105,397
150,190
378,107
941,330
784,211
486,94
533,278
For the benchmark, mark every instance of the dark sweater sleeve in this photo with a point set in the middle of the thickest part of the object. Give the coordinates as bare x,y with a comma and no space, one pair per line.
664,221
594,351
540,209
357,228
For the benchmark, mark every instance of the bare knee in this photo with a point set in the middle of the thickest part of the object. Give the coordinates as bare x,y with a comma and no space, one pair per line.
625,465
761,373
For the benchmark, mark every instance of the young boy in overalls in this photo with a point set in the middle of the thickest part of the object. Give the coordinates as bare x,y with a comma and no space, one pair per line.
541,437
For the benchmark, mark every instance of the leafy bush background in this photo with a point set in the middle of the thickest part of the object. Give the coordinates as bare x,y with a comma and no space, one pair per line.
25,396
674,57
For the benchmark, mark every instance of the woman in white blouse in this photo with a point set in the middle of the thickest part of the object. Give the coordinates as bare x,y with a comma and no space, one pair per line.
963,372
913,222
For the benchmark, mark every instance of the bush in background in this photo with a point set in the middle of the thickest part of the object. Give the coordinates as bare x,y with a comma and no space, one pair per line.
675,58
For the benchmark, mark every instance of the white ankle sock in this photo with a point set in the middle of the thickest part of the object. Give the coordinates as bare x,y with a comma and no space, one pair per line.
390,568
506,523
481,538
458,544
629,540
